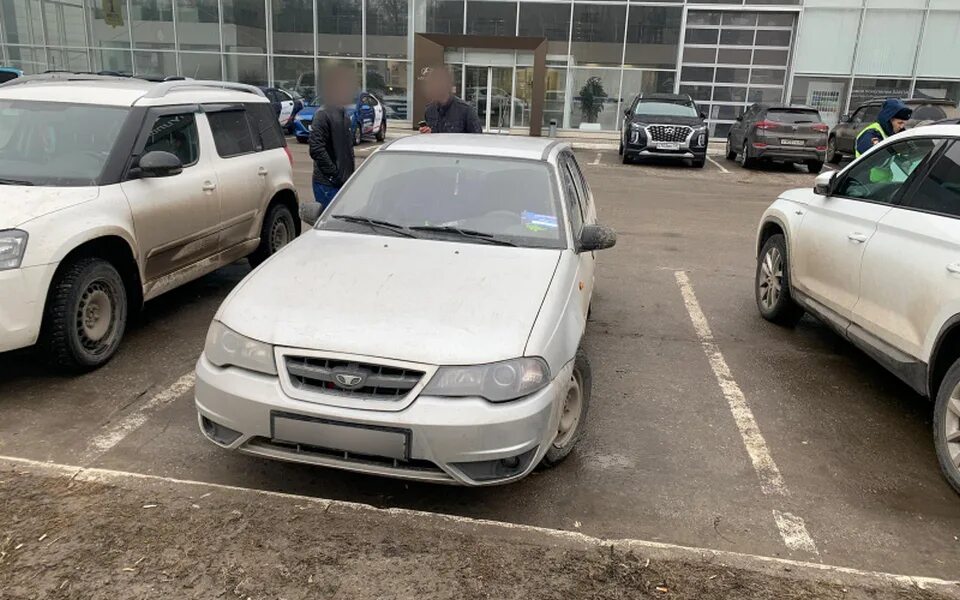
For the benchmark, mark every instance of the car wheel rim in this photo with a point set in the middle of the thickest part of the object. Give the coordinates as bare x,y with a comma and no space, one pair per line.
279,235
831,148
97,316
743,155
572,411
728,147
951,427
770,281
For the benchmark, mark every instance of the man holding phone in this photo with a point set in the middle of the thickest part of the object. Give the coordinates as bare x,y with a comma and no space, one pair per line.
445,113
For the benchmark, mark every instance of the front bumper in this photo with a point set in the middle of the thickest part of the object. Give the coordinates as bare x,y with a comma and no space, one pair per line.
23,293
447,438
301,128
639,143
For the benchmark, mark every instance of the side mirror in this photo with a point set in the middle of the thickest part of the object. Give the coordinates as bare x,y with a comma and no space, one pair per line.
626,112
159,163
703,115
597,237
823,184
310,212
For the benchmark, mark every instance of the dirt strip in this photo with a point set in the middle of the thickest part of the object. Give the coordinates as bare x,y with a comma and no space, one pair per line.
71,533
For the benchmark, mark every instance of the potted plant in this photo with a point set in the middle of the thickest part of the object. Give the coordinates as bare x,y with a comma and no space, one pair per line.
592,96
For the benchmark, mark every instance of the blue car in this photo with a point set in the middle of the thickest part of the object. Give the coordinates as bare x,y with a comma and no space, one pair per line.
9,74
369,121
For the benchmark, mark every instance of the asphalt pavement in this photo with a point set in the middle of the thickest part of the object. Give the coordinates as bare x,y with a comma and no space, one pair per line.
709,427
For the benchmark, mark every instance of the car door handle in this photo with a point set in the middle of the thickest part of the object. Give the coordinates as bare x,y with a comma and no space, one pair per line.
209,186
858,237
262,172
954,268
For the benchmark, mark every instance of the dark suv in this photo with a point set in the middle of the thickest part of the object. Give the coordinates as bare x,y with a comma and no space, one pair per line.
777,133
844,135
665,126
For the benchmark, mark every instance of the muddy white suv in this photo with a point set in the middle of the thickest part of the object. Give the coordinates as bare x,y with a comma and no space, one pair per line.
115,190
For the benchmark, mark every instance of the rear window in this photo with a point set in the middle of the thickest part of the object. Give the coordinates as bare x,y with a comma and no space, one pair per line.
231,133
266,128
929,112
793,116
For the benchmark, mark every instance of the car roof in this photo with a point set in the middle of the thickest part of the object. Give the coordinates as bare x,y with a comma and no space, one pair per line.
504,146
785,106
663,96
106,90
932,130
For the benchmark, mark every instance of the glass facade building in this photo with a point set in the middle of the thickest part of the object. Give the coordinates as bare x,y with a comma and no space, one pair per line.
727,54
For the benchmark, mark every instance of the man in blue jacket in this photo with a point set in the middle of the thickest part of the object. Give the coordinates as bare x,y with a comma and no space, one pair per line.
892,119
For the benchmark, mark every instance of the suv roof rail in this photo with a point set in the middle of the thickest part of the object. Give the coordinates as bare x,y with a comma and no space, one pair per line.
62,76
162,89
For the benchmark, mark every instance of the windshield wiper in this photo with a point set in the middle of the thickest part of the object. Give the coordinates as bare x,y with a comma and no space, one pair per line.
5,181
466,233
399,229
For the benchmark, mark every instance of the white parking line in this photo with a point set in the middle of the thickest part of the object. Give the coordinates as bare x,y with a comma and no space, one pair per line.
718,165
133,421
792,528
596,161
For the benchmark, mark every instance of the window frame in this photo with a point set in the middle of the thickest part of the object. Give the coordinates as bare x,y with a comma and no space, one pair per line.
908,183
946,144
563,165
210,109
131,172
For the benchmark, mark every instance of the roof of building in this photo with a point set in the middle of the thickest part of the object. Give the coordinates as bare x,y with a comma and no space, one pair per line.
505,146
123,91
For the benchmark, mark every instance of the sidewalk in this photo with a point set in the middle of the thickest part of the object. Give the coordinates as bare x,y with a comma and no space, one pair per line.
67,532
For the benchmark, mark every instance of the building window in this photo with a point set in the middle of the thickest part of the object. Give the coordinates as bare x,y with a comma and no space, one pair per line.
387,28
153,24
292,26
108,25
244,26
154,64
387,79
439,16
339,28
594,103
598,34
653,33
551,21
867,88
941,90
198,26
880,53
940,46
295,74
201,66
64,23
246,68
491,18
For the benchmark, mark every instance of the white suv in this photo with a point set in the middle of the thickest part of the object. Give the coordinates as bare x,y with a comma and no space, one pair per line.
874,252
115,190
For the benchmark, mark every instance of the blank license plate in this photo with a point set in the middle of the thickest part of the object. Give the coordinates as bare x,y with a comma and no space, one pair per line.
668,145
791,142
347,437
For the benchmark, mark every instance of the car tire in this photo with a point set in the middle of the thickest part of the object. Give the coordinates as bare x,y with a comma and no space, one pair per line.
833,155
746,161
946,425
382,132
772,284
625,158
731,153
302,140
815,166
85,316
358,135
573,418
278,230
698,163
620,149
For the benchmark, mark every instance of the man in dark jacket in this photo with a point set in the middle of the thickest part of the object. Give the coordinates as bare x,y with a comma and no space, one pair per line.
446,113
892,119
331,139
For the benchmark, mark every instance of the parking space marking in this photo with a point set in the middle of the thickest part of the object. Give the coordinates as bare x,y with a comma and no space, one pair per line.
102,443
596,161
718,165
794,532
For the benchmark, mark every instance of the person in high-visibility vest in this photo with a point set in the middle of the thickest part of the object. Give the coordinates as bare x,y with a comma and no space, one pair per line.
892,119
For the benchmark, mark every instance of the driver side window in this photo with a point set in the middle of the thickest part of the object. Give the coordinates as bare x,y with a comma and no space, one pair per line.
176,134
881,174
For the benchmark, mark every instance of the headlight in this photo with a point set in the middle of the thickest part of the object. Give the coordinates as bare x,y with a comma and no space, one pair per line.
13,243
637,125
497,382
225,347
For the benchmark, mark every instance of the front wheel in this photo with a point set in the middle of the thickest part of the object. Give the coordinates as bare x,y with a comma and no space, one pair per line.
731,153
278,230
815,166
382,132
772,284
357,135
698,163
746,161
833,154
573,416
946,426
86,315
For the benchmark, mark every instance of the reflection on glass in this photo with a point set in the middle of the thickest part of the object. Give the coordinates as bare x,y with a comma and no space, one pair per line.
295,74
198,25
28,60
594,103
116,61
201,66
64,23
653,33
154,64
439,16
247,69
244,26
551,21
108,24
68,60
598,34
387,28
553,98
152,23
491,18
339,27
387,79
293,26
21,21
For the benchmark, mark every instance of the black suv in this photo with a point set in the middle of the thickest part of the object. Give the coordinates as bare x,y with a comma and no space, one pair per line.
665,126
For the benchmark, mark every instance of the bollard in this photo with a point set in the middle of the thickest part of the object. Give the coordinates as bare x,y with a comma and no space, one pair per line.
553,128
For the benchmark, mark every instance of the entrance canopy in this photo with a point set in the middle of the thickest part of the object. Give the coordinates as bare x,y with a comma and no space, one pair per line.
429,49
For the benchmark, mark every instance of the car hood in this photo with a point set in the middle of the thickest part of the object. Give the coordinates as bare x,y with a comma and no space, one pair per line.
662,120
427,301
19,204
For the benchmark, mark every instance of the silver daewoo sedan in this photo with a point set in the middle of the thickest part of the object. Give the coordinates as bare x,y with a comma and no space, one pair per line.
427,327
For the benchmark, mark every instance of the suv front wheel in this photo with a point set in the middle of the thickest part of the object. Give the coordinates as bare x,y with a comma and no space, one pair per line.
946,425
278,230
85,316
772,284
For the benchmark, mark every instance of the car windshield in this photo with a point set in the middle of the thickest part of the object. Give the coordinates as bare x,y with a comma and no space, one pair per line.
56,143
665,109
511,201
793,116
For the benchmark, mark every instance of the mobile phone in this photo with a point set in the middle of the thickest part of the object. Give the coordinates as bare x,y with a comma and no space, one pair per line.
421,124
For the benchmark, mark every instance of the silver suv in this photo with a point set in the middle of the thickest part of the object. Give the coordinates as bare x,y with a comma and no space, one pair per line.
115,190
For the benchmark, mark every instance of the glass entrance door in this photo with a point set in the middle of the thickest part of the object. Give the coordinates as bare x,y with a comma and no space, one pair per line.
490,90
